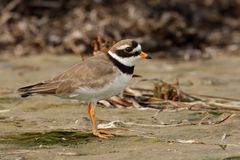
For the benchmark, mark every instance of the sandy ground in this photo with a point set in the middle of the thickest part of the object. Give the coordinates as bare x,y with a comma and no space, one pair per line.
40,128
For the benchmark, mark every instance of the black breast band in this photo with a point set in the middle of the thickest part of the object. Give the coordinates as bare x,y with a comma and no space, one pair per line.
123,68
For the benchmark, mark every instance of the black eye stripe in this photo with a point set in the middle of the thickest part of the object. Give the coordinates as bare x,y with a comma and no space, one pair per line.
123,54
129,49
134,44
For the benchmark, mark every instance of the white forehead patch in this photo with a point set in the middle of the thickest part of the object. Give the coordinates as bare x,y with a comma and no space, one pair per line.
122,47
137,49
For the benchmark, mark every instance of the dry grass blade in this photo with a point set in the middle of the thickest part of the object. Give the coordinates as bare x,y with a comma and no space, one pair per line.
4,111
120,101
224,106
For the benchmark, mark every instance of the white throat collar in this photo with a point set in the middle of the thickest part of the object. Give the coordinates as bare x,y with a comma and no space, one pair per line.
128,61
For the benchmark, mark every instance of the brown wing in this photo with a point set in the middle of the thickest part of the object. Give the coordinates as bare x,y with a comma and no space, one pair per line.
93,73
40,88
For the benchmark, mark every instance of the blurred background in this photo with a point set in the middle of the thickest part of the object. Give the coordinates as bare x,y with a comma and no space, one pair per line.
186,29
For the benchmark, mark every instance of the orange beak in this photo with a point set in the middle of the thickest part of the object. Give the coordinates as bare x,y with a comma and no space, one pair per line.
144,55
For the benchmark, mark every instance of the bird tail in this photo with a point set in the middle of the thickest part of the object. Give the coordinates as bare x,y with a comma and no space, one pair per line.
39,88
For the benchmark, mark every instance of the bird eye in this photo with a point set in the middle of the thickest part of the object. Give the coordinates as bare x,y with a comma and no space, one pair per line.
128,49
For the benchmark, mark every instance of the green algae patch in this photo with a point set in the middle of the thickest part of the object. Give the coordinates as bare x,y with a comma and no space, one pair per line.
65,138
215,113
143,139
154,140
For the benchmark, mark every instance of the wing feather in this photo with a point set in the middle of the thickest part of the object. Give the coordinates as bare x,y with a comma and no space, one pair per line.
93,73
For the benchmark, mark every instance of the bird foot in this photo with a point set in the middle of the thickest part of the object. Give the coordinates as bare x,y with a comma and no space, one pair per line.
102,133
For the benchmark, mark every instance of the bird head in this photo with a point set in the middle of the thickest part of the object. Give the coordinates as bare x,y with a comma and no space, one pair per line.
127,51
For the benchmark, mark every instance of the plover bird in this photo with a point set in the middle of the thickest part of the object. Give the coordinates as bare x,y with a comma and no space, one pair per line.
98,77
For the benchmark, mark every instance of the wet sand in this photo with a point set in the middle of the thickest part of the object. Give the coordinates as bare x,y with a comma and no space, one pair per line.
46,127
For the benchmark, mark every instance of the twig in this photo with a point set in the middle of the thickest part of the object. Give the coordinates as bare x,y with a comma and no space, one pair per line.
5,13
224,119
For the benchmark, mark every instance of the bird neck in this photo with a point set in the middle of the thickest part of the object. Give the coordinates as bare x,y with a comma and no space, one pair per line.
126,69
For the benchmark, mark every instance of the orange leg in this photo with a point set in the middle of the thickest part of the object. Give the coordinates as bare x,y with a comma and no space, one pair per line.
97,132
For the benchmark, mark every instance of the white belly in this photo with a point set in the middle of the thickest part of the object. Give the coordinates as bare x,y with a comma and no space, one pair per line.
94,94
